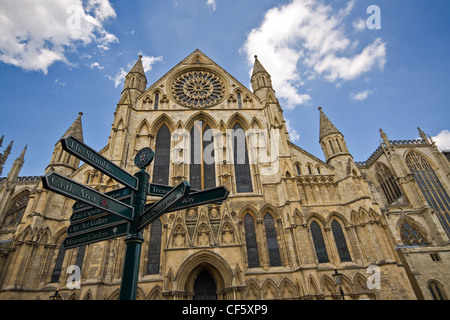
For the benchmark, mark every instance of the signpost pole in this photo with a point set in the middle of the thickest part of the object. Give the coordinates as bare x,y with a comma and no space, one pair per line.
133,242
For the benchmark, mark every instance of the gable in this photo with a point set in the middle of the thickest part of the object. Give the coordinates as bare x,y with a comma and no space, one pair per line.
304,158
197,82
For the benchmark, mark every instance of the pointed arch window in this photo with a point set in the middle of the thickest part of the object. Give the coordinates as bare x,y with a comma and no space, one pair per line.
411,236
341,244
319,243
162,156
250,240
239,100
338,144
437,290
387,182
154,250
156,101
431,187
331,145
80,257
58,264
16,209
202,167
298,167
272,242
241,161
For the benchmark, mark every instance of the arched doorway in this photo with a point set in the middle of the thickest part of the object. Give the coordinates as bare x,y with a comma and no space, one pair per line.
205,287
205,269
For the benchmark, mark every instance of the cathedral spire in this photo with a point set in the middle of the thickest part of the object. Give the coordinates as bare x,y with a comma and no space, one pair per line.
76,129
326,126
260,77
423,135
4,156
138,67
331,139
385,138
136,79
17,166
258,67
61,161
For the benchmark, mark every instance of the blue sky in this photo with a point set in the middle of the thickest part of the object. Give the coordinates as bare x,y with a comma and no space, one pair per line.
60,57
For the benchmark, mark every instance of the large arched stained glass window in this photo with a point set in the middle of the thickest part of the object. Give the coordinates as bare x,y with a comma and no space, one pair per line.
387,182
411,236
272,242
319,243
241,161
431,187
341,244
162,156
202,167
154,250
16,209
250,239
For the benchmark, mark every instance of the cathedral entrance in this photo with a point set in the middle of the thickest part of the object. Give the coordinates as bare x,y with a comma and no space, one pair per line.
205,287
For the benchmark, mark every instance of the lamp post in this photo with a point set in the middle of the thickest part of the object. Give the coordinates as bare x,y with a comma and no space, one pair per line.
338,280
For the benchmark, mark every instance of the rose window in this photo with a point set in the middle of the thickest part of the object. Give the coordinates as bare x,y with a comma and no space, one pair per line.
198,89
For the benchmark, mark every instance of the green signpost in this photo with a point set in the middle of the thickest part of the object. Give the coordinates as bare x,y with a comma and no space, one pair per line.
160,207
96,236
119,194
74,190
97,217
85,153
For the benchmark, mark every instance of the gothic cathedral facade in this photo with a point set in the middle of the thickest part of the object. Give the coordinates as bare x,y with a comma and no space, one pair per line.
289,223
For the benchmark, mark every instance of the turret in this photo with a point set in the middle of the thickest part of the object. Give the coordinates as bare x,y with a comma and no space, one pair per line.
331,139
62,162
136,79
16,167
4,156
261,80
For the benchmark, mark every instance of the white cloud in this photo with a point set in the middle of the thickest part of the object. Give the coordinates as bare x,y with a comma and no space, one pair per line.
119,78
360,24
360,96
443,140
59,82
212,4
37,33
96,65
293,134
305,39
149,61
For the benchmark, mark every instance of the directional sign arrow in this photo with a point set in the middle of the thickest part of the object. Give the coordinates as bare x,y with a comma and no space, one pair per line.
160,207
160,190
119,194
96,236
94,224
202,197
74,190
85,153
90,212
